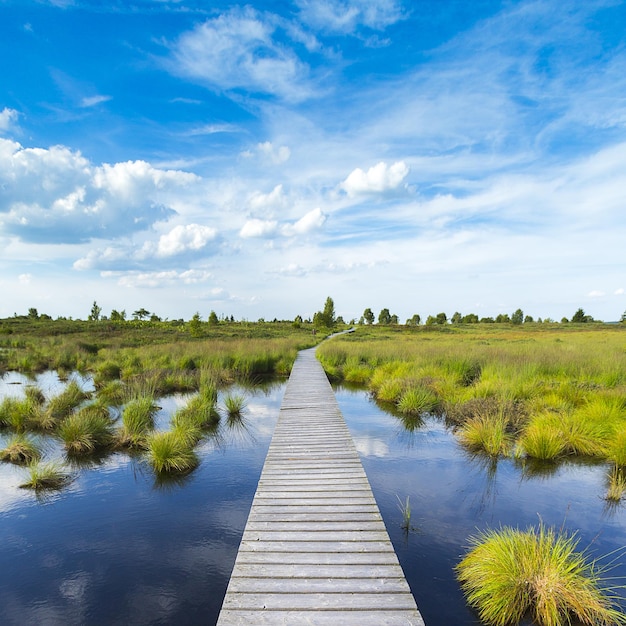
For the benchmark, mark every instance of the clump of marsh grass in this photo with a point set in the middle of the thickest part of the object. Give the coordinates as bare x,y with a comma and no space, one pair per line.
234,404
199,413
46,476
87,431
417,400
63,404
112,393
616,449
137,422
19,414
616,485
542,439
509,574
35,395
20,450
486,434
171,451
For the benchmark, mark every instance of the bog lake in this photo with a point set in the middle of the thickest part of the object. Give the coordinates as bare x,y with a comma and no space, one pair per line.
117,546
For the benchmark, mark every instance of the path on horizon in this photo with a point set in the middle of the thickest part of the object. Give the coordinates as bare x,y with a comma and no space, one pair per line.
315,549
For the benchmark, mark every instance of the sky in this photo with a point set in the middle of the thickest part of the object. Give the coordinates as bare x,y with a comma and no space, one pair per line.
423,156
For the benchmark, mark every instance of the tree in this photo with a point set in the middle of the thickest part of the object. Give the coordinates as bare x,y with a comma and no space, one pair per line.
442,318
368,316
213,321
384,317
503,318
33,313
528,319
580,317
141,314
414,321
517,317
94,316
195,325
457,318
325,318
623,318
117,316
471,318
297,322
394,319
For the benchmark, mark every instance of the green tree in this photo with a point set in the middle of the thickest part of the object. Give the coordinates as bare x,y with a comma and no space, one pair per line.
414,321
325,318
623,318
456,318
442,318
394,319
580,317
94,316
384,317
297,322
471,318
503,318
213,321
528,319
117,316
517,317
33,313
368,316
195,325
141,314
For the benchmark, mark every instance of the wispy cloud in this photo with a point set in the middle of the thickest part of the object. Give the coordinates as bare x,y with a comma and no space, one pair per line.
239,50
8,119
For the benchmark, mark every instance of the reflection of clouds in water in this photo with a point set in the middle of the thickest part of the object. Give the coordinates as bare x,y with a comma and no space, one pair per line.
152,604
75,587
371,446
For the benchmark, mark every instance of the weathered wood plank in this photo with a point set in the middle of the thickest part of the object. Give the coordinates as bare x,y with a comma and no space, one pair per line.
315,549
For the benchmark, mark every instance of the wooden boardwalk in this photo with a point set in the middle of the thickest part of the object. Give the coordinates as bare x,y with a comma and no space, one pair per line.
315,549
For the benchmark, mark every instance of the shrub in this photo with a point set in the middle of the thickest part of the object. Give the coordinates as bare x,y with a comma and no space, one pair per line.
510,573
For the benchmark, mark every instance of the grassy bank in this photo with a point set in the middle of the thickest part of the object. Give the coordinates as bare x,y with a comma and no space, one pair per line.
528,392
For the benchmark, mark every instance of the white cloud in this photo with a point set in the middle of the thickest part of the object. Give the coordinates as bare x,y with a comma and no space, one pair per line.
153,280
237,51
56,195
619,292
347,15
274,154
258,228
313,220
180,239
378,179
263,201
310,222
94,101
596,294
8,117
25,279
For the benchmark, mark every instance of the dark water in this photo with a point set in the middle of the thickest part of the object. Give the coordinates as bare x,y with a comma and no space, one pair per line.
116,547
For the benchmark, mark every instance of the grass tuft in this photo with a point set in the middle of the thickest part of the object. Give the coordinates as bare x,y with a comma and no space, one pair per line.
509,574
171,451
417,400
87,431
486,434
234,405
137,422
20,450
46,476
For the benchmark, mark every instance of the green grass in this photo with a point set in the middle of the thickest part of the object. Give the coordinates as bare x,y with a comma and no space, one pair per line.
20,450
62,405
234,404
486,434
509,574
616,485
417,400
405,510
42,476
19,414
171,451
87,431
137,422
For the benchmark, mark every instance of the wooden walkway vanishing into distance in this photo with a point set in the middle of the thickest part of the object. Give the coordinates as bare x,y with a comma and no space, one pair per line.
315,549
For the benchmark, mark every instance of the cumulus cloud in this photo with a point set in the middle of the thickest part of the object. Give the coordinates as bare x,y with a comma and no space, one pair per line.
181,239
256,228
188,241
8,117
56,195
378,179
346,16
237,51
263,201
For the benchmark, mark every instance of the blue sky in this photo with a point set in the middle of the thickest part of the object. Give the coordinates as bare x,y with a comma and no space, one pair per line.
425,156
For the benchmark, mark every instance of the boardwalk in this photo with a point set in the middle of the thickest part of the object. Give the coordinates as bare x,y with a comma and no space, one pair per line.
315,549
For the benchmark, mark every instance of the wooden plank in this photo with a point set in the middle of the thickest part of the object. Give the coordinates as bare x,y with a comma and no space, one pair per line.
315,549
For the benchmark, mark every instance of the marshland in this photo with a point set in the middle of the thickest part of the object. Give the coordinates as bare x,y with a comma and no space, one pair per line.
131,455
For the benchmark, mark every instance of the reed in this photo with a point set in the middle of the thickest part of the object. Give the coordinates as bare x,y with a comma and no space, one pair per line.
20,450
43,476
509,574
405,510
